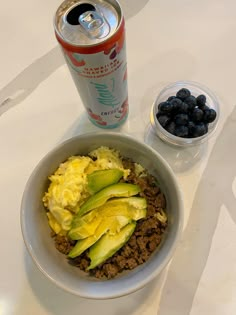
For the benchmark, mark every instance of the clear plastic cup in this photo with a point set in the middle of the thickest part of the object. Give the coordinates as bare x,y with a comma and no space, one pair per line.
171,90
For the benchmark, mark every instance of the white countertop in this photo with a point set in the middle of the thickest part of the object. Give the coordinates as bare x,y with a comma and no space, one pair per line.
167,40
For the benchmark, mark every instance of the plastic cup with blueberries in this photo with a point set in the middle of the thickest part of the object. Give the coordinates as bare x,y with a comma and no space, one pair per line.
185,113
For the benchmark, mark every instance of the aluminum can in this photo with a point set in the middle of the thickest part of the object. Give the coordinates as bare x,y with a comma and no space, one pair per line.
92,37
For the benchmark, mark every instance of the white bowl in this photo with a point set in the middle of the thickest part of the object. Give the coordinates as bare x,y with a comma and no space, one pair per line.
36,232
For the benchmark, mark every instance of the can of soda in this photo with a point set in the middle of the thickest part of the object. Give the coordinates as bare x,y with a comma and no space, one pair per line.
92,37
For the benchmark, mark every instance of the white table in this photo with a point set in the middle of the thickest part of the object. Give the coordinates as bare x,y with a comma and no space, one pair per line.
40,107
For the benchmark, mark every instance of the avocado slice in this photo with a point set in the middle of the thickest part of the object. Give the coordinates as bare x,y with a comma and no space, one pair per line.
86,218
83,227
81,246
136,202
117,223
103,178
111,207
110,224
108,245
116,208
115,190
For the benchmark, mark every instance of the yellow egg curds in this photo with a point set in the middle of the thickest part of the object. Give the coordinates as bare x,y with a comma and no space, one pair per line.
68,187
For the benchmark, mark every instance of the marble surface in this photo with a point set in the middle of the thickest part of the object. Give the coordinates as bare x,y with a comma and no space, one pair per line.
167,40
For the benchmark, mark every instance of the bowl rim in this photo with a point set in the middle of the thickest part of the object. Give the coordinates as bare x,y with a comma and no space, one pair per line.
168,256
179,141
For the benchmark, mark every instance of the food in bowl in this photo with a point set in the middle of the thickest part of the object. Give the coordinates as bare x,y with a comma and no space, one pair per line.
185,115
36,231
107,213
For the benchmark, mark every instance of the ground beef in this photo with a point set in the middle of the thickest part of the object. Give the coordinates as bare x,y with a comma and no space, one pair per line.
63,244
147,236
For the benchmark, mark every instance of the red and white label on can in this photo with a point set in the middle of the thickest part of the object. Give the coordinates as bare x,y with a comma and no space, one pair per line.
100,75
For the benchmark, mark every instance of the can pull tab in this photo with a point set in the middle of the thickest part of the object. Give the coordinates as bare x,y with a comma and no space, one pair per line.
94,24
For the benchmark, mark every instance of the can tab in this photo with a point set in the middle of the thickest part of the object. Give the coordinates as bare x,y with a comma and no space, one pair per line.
94,24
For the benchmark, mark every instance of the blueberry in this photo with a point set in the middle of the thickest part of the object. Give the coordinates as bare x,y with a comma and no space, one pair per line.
181,131
209,115
201,100
191,101
170,98
160,105
176,104
165,107
171,127
200,130
191,128
181,119
184,108
163,120
204,107
158,114
197,114
183,94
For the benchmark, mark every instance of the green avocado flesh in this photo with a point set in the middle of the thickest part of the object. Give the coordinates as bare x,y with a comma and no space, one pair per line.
110,224
108,218
136,202
108,245
133,208
103,178
115,190
84,229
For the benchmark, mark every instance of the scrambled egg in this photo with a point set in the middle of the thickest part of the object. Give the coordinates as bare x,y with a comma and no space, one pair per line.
161,216
107,159
68,188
